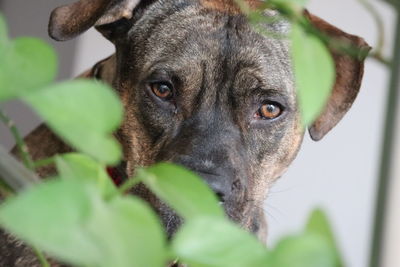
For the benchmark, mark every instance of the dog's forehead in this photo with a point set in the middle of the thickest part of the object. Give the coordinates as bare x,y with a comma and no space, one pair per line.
186,34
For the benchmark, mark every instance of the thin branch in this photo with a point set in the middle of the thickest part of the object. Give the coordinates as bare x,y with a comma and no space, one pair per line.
43,162
379,24
5,190
377,54
22,148
42,259
14,174
129,184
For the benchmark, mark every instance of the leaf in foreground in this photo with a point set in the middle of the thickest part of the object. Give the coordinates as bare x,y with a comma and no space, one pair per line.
129,233
27,64
84,114
307,250
182,190
84,168
314,72
318,224
69,220
216,242
50,216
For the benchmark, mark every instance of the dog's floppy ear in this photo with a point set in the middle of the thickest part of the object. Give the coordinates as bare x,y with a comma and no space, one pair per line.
67,22
349,73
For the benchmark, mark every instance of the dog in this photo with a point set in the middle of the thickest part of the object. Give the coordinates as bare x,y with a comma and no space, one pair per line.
202,89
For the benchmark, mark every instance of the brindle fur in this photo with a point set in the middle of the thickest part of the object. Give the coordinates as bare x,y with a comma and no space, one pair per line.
222,71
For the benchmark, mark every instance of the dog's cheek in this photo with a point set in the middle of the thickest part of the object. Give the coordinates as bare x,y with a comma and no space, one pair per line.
135,142
274,158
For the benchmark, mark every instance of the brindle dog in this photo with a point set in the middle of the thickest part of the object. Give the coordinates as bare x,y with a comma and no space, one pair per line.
201,89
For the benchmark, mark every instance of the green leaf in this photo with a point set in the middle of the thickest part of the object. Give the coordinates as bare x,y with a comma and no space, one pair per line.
318,224
307,250
129,233
79,166
70,220
84,114
26,64
182,190
216,242
314,71
50,216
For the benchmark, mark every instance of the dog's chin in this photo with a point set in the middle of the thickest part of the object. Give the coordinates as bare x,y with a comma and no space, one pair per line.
241,214
172,221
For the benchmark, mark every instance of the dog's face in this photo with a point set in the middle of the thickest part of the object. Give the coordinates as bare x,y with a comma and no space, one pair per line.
202,89
217,98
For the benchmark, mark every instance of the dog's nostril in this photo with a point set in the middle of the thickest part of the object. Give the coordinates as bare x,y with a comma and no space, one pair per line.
236,185
220,196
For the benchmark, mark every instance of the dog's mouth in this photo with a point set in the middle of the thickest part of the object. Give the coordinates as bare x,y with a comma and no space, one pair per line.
118,173
234,209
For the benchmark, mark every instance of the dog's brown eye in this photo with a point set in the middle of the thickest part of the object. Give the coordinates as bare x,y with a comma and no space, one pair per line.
162,90
270,111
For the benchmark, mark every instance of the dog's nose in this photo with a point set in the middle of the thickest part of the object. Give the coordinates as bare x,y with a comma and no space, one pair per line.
219,184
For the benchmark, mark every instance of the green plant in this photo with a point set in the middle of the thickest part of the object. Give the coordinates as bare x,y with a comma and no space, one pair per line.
103,226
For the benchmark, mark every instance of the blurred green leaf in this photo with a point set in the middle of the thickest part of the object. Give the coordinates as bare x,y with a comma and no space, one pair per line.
307,250
69,219
84,114
26,64
314,71
318,224
51,216
216,242
182,190
129,233
79,166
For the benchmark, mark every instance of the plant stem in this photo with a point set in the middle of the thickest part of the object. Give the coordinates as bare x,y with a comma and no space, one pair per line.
42,259
379,25
131,182
14,174
43,162
23,149
5,190
386,154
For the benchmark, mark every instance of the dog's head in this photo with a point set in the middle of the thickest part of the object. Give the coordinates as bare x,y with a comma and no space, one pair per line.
202,89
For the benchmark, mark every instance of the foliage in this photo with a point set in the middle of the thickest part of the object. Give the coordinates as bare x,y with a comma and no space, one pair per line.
312,92
80,217
71,109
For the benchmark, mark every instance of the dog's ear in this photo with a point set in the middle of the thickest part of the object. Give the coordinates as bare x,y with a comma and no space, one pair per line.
349,73
67,22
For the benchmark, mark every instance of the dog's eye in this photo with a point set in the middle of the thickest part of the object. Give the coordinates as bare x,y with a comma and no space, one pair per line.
162,90
269,111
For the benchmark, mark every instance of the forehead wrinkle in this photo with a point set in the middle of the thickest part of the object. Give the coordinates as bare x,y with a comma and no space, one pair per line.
176,40
272,67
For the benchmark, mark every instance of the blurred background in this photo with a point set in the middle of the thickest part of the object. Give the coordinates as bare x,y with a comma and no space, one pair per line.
338,173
